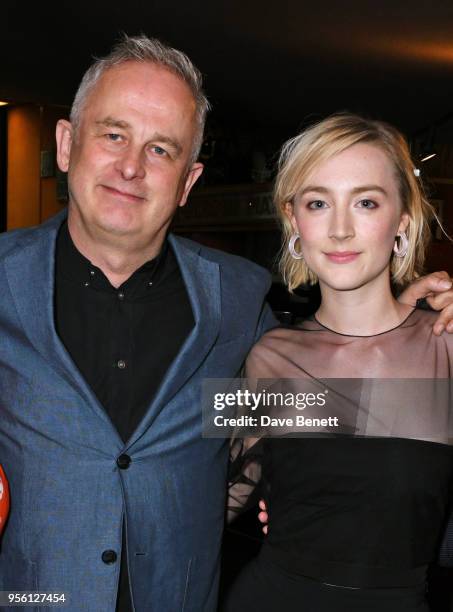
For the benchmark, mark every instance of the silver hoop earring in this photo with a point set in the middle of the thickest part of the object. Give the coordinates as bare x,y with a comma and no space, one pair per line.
400,249
292,247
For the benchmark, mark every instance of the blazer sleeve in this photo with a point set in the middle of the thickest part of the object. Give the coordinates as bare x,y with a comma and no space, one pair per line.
266,322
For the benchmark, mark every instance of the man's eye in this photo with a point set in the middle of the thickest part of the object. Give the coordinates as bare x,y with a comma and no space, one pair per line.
317,205
367,204
114,137
159,150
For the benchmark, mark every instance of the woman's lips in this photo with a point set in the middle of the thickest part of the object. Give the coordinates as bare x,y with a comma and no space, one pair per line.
342,256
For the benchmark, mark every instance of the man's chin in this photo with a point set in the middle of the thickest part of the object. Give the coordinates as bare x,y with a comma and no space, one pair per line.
117,229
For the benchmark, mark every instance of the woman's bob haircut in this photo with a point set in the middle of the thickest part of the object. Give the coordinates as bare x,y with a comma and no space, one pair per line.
300,156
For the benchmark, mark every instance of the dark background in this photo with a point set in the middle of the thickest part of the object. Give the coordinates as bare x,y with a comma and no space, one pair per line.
267,65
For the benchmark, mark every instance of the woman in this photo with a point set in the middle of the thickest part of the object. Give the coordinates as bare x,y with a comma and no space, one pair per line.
4,499
354,519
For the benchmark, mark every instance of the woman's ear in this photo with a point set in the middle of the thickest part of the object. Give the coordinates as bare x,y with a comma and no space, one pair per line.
288,209
404,222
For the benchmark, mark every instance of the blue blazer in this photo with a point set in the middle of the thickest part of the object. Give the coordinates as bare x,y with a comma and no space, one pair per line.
59,448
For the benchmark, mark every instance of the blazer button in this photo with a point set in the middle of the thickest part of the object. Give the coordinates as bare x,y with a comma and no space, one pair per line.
109,556
123,462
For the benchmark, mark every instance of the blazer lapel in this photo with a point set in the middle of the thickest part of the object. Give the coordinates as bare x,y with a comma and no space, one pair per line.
30,272
202,280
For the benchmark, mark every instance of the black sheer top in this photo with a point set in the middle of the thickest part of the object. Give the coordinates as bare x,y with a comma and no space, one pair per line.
367,507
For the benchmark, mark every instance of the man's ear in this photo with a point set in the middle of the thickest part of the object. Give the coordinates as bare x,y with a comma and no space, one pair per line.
64,135
191,178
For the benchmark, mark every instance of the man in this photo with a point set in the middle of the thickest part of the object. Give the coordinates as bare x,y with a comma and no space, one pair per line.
108,328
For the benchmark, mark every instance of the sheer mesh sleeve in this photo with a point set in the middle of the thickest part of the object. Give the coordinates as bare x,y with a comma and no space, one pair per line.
246,456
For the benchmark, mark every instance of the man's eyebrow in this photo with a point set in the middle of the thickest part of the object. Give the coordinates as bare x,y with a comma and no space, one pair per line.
111,122
174,144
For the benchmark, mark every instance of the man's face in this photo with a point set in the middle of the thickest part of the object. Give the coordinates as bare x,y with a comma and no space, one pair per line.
128,162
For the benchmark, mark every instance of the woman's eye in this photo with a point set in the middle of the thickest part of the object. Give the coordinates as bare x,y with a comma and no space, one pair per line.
317,205
367,204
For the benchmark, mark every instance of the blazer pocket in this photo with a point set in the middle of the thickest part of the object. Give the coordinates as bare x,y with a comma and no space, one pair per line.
186,587
17,574
201,586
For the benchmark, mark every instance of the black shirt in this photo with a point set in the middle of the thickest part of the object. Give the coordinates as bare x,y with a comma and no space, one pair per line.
121,339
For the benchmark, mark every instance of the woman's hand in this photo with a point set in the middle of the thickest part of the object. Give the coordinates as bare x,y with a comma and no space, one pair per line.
437,289
263,516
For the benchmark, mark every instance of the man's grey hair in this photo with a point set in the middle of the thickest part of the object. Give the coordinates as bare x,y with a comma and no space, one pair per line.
144,49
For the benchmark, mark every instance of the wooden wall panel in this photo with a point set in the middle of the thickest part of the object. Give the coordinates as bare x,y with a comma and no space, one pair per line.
23,172
49,204
30,198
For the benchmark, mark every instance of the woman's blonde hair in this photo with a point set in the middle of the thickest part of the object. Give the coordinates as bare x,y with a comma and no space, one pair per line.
300,156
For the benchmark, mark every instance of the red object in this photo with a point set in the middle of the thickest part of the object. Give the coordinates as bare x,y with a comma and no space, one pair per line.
4,499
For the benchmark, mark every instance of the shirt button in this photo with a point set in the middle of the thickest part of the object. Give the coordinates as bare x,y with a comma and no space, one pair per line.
150,283
109,556
92,272
121,364
87,284
120,295
123,461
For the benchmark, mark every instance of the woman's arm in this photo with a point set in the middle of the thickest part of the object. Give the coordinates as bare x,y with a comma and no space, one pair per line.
244,475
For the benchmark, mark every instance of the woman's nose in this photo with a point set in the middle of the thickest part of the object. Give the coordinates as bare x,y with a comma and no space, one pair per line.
341,225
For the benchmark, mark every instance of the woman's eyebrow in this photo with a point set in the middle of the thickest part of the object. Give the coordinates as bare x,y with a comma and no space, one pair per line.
359,189
318,189
369,188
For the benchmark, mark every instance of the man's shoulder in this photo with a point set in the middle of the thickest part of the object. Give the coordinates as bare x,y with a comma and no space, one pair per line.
228,262
23,237
13,239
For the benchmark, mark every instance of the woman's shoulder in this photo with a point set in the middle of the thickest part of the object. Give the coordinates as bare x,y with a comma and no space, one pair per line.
277,337
426,344
424,320
274,352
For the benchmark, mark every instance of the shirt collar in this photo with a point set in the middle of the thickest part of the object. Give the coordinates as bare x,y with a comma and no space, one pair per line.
72,266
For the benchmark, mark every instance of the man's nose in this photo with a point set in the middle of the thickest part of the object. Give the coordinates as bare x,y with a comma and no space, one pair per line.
341,224
131,163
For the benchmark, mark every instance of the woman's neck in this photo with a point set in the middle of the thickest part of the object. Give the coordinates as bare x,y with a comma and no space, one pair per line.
365,311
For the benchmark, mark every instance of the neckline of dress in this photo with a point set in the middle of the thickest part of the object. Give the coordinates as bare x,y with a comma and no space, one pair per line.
387,331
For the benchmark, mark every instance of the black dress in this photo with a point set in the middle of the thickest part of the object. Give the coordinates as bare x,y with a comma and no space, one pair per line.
354,520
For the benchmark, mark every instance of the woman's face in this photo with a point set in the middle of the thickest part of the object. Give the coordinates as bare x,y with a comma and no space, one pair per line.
348,213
